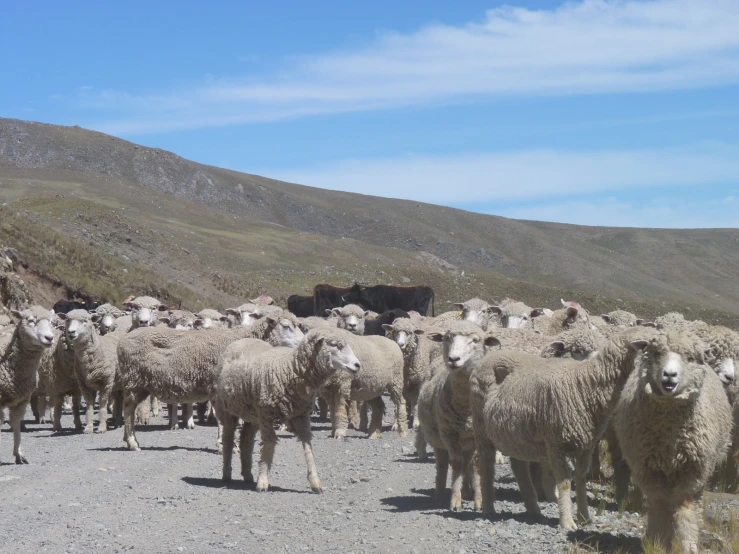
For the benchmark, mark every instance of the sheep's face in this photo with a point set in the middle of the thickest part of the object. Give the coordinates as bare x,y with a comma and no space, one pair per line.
144,316
475,311
670,373
351,318
243,317
724,367
106,324
341,356
34,326
401,334
79,326
463,345
284,332
562,349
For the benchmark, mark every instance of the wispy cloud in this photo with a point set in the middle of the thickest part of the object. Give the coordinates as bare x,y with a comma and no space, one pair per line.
595,46
523,175
662,212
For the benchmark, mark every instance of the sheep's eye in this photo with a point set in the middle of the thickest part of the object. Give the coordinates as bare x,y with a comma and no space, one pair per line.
691,359
32,323
476,339
333,343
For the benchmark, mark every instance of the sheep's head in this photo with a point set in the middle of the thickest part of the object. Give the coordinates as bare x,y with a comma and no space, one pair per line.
673,364
351,317
476,311
722,364
181,320
34,326
244,315
463,344
402,332
144,311
577,343
513,315
284,331
331,349
79,325
107,322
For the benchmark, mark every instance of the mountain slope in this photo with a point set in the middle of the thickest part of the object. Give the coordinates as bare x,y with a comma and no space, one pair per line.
305,229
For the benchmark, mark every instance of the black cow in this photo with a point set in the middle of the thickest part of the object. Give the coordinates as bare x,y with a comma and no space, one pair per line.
300,306
374,326
66,306
326,297
381,298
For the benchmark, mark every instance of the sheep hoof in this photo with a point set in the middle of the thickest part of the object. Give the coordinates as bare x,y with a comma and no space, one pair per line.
219,447
174,428
226,478
88,431
499,458
249,478
568,525
102,430
262,487
20,459
374,436
317,490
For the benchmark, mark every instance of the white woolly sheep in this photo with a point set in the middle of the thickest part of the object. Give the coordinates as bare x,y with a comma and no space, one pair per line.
350,317
20,357
479,312
570,315
145,311
212,319
513,314
56,379
276,386
180,366
673,422
621,317
243,316
95,366
444,406
546,410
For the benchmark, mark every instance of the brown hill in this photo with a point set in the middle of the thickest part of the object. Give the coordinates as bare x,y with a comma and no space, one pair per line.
225,235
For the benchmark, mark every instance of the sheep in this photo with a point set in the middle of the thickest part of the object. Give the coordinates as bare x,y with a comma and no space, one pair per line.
621,317
212,319
241,316
441,319
444,407
273,386
182,320
570,315
546,410
673,422
512,314
180,366
20,357
118,325
479,312
350,317
314,322
56,378
145,311
95,366
382,363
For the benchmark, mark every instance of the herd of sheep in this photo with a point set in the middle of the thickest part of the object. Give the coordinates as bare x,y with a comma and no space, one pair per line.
541,387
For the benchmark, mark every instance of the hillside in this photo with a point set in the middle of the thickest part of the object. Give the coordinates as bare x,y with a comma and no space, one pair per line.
225,235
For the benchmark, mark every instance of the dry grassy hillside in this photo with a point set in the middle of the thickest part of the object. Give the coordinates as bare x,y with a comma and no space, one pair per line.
209,235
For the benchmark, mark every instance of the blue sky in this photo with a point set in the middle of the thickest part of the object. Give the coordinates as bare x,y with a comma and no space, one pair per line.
595,112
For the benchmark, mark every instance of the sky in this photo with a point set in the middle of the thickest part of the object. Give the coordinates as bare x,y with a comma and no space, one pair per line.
595,112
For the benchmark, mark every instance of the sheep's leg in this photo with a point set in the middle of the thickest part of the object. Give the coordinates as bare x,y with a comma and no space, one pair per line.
16,418
595,473
246,442
187,415
90,413
420,443
202,410
359,410
378,408
486,468
57,425
476,485
522,474
142,411
456,459
442,468
301,428
322,408
130,401
621,472
154,406
174,423
75,411
686,525
229,423
401,416
581,482
563,478
43,402
103,410
338,415
269,440
118,408
414,416
34,402
467,478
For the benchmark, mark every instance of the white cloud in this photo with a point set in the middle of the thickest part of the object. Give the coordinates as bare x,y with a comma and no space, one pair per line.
521,175
634,212
595,46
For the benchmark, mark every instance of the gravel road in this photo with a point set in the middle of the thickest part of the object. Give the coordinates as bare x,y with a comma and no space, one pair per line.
85,493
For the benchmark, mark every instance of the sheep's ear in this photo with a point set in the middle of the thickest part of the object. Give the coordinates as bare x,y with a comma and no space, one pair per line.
458,305
495,310
163,308
63,317
639,344
608,319
418,332
95,317
255,315
329,311
387,327
366,313
648,324
198,323
491,341
435,336
564,304
537,312
272,321
166,320
572,312
336,311
223,318
558,346
232,311
16,314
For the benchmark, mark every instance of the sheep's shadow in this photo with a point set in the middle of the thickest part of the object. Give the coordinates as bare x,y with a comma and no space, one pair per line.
155,449
413,459
56,434
605,542
235,484
141,428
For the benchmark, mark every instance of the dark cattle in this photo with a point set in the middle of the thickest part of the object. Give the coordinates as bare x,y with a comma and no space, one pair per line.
374,326
381,298
66,306
326,297
300,306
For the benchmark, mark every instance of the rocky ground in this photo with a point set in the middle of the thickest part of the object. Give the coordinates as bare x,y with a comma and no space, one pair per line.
86,493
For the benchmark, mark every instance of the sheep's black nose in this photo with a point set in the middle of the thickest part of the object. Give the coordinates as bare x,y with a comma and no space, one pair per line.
453,359
357,365
49,338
